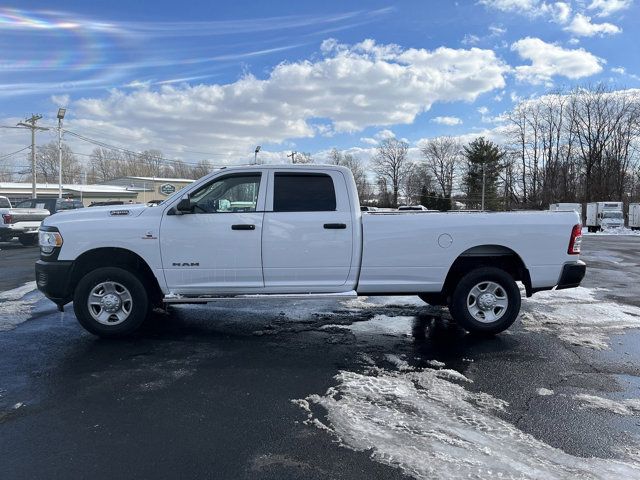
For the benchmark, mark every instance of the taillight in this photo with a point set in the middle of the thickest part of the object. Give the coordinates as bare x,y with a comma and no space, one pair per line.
7,218
576,240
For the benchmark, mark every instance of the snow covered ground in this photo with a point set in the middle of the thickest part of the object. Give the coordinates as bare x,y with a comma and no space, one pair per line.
578,316
612,231
16,305
425,422
431,424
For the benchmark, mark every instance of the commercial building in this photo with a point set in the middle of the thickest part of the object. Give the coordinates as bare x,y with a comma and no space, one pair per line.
150,188
125,189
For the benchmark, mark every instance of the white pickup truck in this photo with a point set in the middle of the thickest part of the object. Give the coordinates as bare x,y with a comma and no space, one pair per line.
20,222
297,231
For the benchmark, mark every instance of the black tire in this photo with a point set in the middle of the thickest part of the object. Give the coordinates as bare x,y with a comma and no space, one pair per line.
461,309
136,309
28,240
435,299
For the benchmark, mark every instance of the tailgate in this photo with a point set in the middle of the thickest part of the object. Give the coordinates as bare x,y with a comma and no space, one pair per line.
28,215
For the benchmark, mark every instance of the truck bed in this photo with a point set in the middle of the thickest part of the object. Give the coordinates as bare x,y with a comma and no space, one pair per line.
404,251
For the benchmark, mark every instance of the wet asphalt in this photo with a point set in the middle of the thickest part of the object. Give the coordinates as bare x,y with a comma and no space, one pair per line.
205,391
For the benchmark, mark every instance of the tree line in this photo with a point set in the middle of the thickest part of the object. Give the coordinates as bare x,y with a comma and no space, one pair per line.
577,146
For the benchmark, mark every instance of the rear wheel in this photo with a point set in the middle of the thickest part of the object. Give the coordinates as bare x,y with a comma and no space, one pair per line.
28,240
110,302
486,300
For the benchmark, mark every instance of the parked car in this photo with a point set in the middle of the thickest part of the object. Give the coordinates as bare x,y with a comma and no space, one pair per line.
298,232
54,205
20,222
366,208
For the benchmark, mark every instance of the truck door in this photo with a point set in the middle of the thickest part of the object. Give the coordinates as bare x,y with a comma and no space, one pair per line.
308,232
217,247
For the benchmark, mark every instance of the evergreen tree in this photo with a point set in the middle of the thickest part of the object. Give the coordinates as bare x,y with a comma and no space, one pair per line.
481,154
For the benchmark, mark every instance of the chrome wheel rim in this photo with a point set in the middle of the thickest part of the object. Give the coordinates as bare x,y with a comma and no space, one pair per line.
110,303
487,302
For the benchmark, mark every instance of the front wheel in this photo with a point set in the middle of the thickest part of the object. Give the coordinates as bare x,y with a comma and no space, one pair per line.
110,302
486,300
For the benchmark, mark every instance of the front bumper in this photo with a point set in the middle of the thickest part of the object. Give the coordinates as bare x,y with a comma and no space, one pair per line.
54,280
572,274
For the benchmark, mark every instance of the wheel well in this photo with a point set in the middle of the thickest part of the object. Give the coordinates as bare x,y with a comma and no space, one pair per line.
116,257
495,256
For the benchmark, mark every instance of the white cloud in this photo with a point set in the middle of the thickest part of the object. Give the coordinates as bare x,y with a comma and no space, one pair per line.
549,60
447,121
483,110
521,6
60,100
496,30
560,12
470,39
607,7
350,88
581,26
623,72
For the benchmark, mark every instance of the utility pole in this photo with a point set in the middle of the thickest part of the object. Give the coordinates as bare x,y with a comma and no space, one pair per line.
61,112
31,124
483,181
293,156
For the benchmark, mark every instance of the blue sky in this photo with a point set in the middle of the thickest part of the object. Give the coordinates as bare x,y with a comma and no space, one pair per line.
202,79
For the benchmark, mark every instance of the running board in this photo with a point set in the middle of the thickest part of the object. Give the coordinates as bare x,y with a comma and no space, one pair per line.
173,298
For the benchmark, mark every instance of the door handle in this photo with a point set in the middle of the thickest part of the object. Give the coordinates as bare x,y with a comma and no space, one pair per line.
335,226
243,227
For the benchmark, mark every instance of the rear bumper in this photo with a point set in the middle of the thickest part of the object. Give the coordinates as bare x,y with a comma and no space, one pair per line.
54,280
13,230
572,274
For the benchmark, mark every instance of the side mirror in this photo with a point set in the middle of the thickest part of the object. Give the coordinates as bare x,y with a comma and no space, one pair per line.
184,205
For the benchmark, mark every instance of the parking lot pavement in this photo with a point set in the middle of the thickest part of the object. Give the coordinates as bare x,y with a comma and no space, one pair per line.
372,388
17,264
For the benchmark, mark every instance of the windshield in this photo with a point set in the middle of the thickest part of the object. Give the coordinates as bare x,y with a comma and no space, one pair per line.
617,215
4,203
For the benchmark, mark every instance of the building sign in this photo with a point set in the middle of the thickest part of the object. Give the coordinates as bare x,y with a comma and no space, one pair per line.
167,189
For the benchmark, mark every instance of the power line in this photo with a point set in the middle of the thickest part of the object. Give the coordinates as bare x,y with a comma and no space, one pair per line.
14,153
102,144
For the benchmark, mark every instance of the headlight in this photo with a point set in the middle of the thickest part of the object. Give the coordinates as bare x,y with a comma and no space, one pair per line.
48,241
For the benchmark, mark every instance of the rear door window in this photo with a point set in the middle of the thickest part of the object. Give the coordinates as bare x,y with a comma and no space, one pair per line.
303,192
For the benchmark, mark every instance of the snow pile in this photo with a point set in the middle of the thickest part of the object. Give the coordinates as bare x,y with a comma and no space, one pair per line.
378,302
613,231
577,317
544,392
16,305
623,407
431,427
380,325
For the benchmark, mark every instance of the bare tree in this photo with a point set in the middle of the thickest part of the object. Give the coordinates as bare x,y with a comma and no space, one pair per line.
417,183
391,163
355,165
443,156
104,164
302,157
47,164
201,169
